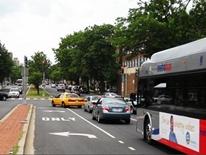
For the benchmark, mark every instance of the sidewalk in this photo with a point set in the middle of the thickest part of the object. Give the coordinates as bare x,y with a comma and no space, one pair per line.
11,128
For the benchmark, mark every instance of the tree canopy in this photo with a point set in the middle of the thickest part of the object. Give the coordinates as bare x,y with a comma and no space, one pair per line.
6,63
38,67
88,55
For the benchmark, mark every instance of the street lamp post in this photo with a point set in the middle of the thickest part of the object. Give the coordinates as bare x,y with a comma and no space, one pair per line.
24,78
43,76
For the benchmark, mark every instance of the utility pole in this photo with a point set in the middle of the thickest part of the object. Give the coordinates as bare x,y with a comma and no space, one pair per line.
25,78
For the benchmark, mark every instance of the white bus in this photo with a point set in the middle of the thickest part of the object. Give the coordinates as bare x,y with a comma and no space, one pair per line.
172,109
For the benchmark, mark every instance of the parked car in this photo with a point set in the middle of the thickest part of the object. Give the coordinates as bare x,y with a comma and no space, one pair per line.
68,99
53,85
14,92
111,109
4,94
91,101
60,87
19,88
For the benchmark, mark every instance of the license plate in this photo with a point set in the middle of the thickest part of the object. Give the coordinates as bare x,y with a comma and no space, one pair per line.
117,109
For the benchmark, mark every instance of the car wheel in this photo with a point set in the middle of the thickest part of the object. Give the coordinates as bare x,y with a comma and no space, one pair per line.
79,106
63,105
4,98
93,116
127,121
148,131
135,111
53,105
85,109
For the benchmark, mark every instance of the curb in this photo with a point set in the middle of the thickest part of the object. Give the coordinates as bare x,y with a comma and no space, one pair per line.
22,141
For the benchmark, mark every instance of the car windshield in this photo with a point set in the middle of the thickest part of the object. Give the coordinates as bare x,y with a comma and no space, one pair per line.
113,101
14,89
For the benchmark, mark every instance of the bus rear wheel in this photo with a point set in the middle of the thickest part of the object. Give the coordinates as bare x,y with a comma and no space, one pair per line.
148,131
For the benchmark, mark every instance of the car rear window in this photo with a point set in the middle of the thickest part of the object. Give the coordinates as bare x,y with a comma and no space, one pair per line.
113,101
72,95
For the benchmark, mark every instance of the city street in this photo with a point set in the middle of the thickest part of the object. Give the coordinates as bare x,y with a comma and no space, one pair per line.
72,131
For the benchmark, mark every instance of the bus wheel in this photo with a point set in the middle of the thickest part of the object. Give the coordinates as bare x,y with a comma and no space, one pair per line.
147,131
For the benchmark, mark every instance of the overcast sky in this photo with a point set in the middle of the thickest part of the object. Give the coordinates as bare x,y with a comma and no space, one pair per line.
28,26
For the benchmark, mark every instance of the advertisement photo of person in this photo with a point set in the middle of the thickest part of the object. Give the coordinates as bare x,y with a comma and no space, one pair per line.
172,136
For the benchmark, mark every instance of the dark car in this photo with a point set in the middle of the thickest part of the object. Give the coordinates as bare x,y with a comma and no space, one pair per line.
4,94
111,109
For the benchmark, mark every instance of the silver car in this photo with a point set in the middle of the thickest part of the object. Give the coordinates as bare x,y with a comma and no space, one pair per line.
111,109
91,101
14,92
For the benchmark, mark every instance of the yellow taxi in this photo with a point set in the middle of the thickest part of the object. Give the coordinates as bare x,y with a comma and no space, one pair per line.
68,99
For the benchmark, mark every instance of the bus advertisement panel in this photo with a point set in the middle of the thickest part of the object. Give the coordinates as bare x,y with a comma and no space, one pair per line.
181,130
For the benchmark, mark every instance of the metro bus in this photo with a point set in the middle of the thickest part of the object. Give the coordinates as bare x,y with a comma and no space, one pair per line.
172,97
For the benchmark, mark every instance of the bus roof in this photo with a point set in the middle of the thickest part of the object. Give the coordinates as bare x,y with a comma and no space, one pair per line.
187,57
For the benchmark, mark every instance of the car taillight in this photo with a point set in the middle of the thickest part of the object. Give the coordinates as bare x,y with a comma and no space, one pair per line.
105,109
127,109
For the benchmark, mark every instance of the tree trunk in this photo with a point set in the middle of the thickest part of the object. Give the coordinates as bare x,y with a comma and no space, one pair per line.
37,89
88,85
102,87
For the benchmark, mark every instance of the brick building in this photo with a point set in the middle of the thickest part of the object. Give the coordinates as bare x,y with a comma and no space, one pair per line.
129,74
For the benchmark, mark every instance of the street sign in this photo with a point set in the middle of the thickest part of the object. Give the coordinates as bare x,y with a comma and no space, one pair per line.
67,134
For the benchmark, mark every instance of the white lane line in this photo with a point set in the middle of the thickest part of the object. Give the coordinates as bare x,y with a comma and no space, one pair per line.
121,142
92,124
133,119
131,148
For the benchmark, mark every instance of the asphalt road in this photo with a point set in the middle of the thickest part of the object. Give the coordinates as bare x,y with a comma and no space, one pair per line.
8,105
72,131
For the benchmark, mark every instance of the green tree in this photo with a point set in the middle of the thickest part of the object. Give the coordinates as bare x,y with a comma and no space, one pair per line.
156,25
36,79
6,63
15,73
38,67
198,14
88,54
55,73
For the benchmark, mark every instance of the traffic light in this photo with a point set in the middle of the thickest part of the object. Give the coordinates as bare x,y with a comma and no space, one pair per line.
25,61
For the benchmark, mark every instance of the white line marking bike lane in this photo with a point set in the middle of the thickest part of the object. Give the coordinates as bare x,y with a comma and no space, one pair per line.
91,124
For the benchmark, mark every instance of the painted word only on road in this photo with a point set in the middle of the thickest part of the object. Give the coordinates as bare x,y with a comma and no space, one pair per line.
58,119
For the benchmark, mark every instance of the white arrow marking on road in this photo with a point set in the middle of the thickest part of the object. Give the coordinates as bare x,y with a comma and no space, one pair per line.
67,134
54,111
